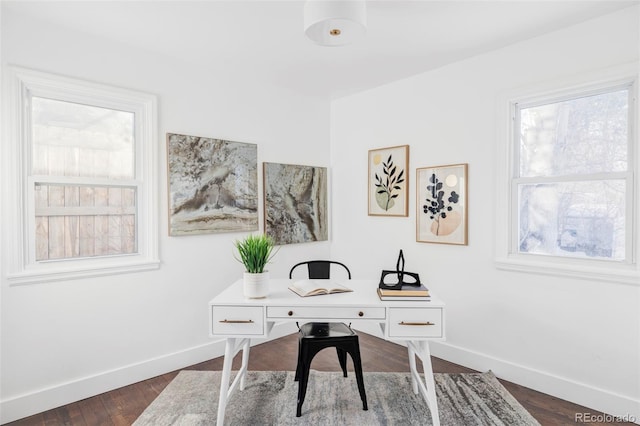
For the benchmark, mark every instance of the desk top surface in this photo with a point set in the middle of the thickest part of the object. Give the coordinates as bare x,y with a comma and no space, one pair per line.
364,294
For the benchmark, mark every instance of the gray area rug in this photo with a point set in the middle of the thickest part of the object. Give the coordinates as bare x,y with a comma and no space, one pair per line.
269,398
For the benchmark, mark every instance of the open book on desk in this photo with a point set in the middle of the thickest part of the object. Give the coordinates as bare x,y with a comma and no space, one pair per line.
306,288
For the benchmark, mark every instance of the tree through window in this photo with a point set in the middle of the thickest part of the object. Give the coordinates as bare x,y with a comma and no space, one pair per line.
573,177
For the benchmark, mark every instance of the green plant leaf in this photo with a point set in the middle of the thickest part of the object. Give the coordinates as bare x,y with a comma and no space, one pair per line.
255,252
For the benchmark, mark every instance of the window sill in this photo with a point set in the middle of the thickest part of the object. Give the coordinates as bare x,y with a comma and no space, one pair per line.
48,273
622,274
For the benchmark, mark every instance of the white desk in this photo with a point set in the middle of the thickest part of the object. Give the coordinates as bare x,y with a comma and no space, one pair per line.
239,319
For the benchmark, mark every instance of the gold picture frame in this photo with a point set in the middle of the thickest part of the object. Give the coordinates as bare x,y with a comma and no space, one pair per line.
441,204
388,181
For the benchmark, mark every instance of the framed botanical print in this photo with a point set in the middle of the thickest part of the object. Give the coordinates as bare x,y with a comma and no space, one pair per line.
442,204
388,181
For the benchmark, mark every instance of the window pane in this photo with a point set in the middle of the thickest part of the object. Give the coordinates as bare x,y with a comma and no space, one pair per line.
573,219
71,139
84,221
576,136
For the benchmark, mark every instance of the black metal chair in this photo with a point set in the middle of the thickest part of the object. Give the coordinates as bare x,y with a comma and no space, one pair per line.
315,336
319,269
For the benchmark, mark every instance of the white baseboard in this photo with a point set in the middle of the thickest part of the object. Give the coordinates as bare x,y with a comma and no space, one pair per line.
25,405
625,407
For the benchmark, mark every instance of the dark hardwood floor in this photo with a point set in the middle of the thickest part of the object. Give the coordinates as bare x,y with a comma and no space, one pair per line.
122,406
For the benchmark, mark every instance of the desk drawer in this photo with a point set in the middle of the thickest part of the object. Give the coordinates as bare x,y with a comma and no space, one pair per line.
324,312
415,322
237,320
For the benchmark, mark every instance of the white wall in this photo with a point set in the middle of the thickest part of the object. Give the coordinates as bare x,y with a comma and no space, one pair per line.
64,341
576,339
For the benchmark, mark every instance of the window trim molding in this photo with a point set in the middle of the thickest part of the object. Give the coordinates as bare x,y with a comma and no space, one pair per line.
590,269
21,267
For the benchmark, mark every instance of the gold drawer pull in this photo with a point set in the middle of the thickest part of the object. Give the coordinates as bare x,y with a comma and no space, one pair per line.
226,321
416,323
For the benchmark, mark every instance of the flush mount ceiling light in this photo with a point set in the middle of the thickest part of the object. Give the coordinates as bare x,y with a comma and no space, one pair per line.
335,22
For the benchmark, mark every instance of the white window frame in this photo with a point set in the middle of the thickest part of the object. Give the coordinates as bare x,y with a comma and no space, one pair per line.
18,227
507,256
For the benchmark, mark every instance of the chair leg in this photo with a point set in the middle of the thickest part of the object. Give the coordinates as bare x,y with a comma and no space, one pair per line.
298,366
357,364
306,356
302,388
342,358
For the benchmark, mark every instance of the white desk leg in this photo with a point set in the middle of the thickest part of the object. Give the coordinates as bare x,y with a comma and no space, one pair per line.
428,389
431,384
226,376
414,370
245,361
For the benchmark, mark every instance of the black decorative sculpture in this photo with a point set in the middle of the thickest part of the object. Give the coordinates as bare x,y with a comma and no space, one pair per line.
388,283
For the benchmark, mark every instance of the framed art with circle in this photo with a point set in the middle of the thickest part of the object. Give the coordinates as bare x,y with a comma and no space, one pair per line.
441,204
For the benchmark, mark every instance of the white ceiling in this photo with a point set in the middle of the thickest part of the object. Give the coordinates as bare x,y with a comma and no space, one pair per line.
265,39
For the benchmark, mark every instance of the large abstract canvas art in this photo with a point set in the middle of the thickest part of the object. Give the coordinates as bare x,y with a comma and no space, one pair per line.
295,203
213,185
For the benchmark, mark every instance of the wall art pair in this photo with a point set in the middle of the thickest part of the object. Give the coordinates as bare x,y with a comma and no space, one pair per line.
441,195
213,188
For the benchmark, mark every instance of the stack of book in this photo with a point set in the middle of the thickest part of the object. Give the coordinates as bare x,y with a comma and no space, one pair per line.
408,292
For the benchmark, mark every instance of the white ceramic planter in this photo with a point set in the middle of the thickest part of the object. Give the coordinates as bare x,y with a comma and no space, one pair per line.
256,286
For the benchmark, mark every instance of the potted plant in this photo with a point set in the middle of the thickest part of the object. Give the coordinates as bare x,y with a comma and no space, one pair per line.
255,252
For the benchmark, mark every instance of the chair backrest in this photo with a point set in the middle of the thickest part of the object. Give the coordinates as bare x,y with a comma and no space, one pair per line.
319,269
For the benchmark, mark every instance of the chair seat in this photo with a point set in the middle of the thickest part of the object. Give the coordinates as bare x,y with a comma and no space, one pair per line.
315,330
